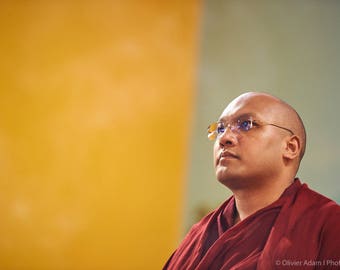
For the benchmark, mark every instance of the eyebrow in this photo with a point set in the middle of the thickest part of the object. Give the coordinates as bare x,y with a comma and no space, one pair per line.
244,115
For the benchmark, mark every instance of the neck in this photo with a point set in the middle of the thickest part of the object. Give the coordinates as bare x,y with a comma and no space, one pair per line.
248,201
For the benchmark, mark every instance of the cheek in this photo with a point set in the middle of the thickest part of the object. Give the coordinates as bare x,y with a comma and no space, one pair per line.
266,148
269,151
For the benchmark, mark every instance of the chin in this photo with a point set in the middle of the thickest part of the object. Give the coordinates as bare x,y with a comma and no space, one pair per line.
232,181
226,178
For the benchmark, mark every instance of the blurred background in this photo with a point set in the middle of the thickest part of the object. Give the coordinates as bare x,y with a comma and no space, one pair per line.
104,161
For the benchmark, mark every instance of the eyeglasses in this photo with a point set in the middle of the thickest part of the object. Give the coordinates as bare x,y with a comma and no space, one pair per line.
243,124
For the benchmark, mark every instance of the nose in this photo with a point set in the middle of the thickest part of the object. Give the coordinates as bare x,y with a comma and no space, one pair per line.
228,137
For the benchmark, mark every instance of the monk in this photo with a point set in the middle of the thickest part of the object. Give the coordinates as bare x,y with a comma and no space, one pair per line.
272,220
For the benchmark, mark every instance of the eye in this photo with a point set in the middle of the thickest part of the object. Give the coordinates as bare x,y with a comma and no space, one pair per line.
245,125
220,128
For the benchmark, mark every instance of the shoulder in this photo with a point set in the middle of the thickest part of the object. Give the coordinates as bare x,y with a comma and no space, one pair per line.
320,210
315,201
314,212
314,223
324,216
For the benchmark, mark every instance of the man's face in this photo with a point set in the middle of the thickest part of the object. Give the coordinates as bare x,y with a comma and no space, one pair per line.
244,159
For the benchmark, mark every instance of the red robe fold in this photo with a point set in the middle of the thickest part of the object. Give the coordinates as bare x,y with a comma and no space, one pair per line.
301,230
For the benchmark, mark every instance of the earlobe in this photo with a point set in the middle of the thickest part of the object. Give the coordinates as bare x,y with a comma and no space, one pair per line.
292,147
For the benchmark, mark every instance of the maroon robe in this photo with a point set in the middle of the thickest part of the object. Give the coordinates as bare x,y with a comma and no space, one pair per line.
301,230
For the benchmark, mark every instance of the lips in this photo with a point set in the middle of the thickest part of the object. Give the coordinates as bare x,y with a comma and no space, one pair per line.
227,155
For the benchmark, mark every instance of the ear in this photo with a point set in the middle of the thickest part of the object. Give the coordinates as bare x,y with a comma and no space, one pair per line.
292,147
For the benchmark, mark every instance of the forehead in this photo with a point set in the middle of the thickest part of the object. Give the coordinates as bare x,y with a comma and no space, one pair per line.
255,106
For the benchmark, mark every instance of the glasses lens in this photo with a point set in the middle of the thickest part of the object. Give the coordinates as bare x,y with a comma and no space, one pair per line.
244,124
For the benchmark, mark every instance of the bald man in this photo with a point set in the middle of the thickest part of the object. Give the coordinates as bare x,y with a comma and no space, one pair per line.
272,221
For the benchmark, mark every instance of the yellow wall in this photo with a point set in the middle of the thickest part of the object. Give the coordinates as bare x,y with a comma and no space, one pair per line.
95,101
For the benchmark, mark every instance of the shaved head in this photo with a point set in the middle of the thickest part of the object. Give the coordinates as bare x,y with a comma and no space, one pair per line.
277,111
274,147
